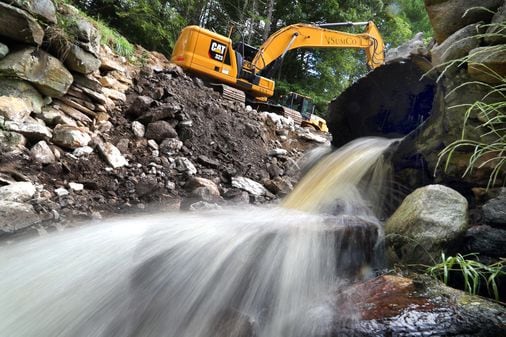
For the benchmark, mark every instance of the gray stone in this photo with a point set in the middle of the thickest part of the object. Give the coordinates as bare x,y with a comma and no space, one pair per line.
496,31
138,129
53,117
83,151
76,187
15,216
112,155
458,45
487,64
42,153
70,137
18,25
79,60
88,35
19,191
427,221
279,186
185,165
139,105
23,90
447,17
171,146
486,241
309,136
11,141
41,9
14,108
29,128
46,72
152,144
494,210
4,50
415,46
249,186
114,94
160,130
278,152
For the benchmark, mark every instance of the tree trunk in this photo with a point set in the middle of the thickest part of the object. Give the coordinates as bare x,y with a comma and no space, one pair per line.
267,28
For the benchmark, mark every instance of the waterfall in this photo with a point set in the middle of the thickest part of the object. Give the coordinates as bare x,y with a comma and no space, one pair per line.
236,272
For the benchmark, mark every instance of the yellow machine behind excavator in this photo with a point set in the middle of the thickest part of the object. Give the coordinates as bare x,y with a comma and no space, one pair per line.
213,56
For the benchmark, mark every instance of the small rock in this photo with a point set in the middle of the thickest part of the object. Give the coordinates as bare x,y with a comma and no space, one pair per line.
198,182
204,206
140,105
61,192
171,146
152,144
112,155
41,153
76,187
4,50
17,191
312,137
11,141
71,137
278,152
206,161
185,165
249,186
160,130
138,129
82,151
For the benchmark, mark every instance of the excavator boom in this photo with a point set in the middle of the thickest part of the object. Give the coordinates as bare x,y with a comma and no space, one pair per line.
312,36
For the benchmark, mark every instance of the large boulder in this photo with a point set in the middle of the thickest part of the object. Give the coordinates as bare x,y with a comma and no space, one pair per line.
494,210
46,72
488,64
15,216
428,221
24,90
458,45
448,16
18,25
70,137
80,60
496,31
17,191
14,108
30,128
249,186
160,130
41,9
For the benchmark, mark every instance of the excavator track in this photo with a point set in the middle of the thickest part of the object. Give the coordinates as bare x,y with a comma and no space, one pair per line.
230,93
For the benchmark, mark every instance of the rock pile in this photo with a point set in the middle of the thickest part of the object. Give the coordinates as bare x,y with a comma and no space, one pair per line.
90,132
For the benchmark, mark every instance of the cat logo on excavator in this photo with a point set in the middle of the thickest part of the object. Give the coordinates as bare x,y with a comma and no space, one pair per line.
217,50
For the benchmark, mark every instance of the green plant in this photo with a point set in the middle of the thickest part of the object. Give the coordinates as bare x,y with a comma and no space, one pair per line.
114,40
490,149
473,272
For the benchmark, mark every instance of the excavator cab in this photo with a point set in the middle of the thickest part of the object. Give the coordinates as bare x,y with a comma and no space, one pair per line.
298,102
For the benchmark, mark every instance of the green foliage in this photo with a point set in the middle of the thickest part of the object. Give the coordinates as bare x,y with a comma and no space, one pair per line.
472,271
490,150
117,42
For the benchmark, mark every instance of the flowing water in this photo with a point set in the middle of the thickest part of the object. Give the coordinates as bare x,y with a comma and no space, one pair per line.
238,272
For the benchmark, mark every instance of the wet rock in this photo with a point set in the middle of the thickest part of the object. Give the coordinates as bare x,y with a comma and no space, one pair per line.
29,128
249,186
18,25
171,146
391,305
458,45
24,90
14,108
160,130
183,164
11,141
15,216
4,50
41,9
486,241
70,137
41,153
17,191
44,71
487,64
428,221
496,32
494,210
112,155
446,17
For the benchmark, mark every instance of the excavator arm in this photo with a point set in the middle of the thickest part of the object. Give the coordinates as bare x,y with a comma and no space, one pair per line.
312,36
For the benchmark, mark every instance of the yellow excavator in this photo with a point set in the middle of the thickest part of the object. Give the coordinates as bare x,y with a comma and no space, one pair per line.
244,68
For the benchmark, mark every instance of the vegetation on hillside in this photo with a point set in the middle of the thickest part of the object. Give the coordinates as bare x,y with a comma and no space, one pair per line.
321,74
